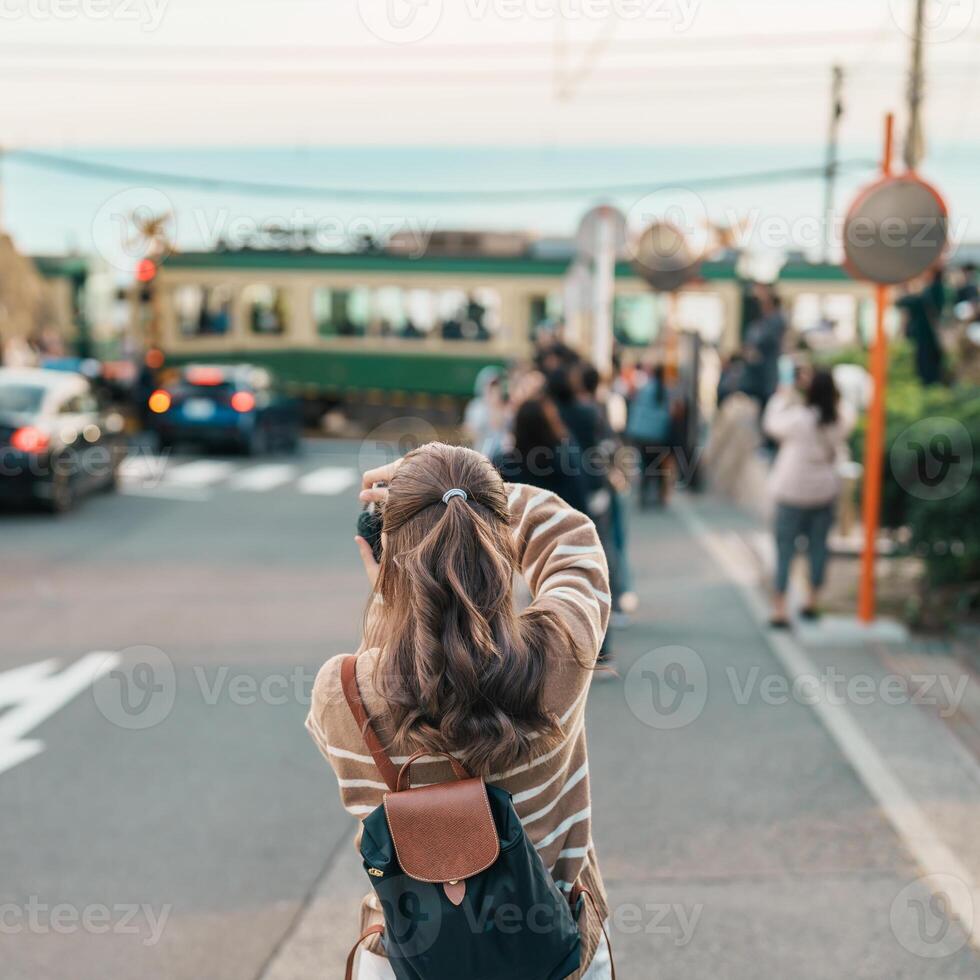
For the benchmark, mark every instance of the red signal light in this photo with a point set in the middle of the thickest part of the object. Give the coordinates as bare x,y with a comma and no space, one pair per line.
146,271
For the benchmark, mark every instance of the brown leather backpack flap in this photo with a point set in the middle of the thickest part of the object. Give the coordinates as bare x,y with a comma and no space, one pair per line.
444,832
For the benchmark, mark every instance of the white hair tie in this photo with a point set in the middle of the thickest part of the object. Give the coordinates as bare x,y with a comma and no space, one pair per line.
455,492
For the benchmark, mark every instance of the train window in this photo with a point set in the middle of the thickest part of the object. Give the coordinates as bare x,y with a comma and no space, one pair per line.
410,314
266,309
343,312
835,315
468,316
451,310
203,310
702,313
357,315
636,319
545,309
330,312
420,313
389,311
483,314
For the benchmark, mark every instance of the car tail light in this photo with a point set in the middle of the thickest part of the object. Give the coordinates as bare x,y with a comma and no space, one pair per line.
29,440
243,401
159,401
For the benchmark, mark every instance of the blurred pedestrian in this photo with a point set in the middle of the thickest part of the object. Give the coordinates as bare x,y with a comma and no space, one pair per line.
967,291
923,306
583,420
731,378
733,443
485,420
650,429
614,412
810,426
551,353
763,346
544,454
525,383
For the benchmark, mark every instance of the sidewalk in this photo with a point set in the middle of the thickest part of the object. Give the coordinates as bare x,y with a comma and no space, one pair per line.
746,828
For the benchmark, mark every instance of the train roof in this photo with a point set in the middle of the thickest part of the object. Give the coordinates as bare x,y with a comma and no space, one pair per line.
533,263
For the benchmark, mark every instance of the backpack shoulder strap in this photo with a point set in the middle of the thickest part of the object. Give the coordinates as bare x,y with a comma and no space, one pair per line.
352,693
367,934
579,892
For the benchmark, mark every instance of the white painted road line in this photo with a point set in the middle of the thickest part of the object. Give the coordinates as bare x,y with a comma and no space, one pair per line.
199,473
259,479
328,480
911,825
34,693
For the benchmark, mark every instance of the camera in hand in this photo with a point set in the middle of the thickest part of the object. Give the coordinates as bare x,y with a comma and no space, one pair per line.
369,523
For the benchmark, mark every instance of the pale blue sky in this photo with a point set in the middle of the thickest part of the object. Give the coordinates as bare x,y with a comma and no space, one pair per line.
490,93
49,212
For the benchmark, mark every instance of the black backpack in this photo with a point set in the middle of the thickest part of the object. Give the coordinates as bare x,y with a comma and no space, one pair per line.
463,891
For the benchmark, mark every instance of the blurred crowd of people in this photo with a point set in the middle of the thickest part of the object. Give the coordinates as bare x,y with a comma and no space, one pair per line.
559,424
597,440
775,402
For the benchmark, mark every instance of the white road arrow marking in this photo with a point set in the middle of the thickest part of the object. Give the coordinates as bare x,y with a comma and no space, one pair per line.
33,693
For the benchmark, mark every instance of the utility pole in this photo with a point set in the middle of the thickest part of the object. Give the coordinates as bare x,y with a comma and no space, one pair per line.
830,172
914,140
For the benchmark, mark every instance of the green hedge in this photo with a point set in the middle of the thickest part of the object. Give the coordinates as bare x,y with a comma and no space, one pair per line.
942,520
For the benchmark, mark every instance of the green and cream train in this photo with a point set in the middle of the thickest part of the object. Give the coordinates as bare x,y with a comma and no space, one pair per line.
393,329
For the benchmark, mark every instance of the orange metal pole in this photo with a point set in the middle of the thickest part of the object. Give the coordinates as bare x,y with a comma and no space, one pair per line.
886,158
874,446
670,339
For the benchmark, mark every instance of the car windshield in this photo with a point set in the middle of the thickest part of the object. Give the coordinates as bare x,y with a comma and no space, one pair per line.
20,399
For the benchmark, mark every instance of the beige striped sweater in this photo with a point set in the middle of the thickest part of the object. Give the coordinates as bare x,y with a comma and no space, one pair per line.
564,567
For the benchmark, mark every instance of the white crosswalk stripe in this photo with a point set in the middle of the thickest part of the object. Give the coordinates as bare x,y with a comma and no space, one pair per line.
148,475
199,473
261,478
142,468
328,480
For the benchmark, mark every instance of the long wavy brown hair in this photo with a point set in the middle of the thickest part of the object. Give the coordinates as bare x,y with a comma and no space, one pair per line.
461,670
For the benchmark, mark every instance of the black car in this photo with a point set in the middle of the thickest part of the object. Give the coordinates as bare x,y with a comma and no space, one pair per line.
235,406
55,441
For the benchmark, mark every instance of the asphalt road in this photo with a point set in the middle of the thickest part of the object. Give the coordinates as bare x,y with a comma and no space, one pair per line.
174,823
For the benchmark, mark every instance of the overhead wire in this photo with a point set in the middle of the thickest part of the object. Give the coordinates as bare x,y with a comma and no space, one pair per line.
143,177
